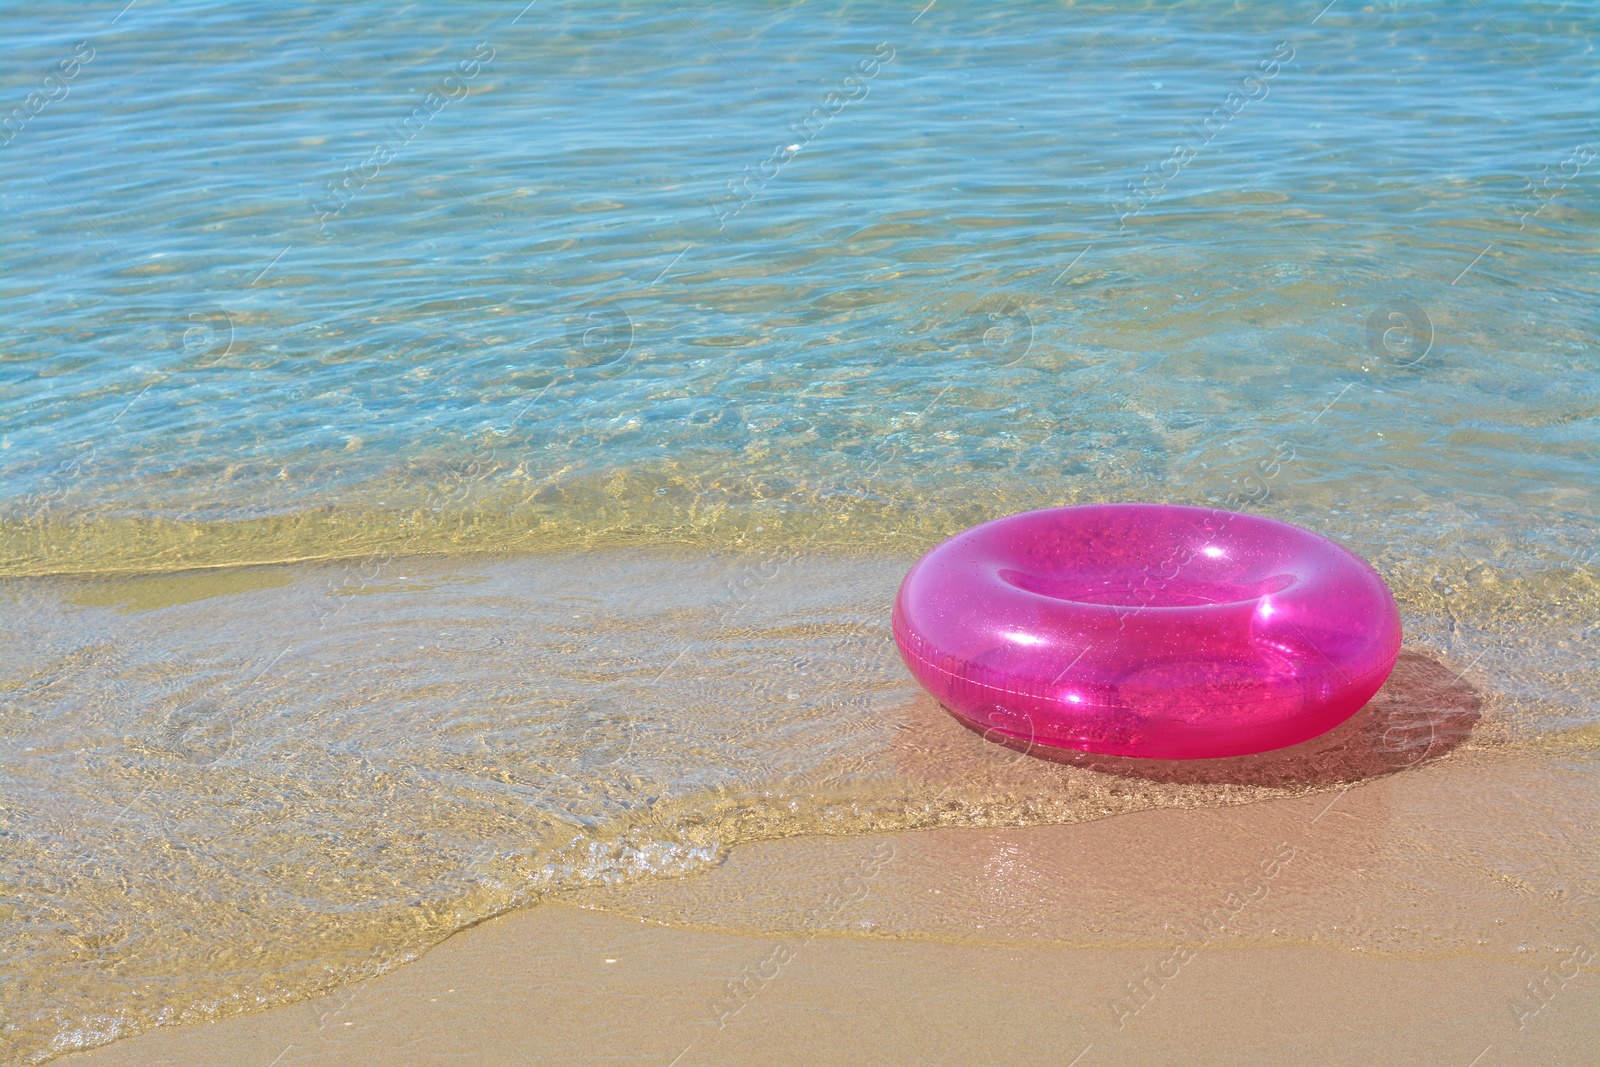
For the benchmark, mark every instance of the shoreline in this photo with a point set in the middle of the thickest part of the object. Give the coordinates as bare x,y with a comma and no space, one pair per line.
362,768
927,954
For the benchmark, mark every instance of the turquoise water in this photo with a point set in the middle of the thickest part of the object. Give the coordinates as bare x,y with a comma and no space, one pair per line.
347,284
943,294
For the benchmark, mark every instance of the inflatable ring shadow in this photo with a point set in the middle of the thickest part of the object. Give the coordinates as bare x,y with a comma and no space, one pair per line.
1423,712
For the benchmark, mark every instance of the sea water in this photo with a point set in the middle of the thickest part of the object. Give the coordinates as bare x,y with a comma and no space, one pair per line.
449,456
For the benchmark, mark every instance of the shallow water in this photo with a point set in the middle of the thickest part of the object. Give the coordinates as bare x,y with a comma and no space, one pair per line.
536,317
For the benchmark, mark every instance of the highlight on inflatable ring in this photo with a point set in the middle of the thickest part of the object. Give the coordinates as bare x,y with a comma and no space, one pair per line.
1147,630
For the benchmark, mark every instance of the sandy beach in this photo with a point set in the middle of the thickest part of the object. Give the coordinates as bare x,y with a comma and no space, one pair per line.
885,867
1418,918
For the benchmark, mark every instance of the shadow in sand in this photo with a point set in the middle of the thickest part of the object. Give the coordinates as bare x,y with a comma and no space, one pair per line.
1422,712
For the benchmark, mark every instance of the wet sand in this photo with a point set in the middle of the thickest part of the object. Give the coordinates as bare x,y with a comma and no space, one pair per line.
714,771
1445,914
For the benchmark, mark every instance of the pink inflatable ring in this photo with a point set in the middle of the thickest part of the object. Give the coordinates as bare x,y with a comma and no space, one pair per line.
1147,630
